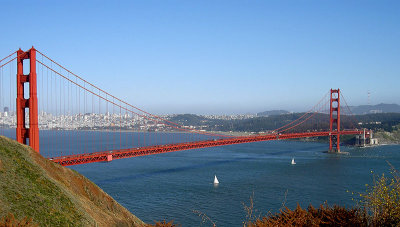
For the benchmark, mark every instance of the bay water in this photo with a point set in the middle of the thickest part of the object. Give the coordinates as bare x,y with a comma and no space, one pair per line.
176,186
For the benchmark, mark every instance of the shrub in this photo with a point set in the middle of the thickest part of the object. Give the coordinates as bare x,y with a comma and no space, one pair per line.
382,200
11,221
323,216
162,224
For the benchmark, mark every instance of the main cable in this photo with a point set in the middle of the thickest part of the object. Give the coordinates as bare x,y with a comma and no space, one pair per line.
154,116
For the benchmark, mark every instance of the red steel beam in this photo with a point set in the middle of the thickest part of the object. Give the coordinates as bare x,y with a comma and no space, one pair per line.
142,151
24,133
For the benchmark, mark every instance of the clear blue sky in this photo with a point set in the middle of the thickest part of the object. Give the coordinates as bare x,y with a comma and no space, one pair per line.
217,56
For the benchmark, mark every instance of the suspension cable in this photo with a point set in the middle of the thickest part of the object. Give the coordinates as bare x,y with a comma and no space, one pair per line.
154,116
302,121
351,113
114,103
1,66
310,111
8,56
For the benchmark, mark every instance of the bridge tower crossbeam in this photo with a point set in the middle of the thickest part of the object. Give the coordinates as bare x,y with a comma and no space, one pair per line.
23,132
334,122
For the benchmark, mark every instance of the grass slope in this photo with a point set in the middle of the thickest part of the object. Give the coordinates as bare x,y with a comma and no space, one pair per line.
34,187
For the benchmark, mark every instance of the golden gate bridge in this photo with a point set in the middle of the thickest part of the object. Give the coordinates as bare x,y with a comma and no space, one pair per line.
46,97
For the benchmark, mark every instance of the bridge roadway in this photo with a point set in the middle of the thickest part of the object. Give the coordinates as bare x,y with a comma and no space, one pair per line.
158,149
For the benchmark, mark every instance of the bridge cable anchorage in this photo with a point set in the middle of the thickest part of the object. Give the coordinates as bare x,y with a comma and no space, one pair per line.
141,115
154,116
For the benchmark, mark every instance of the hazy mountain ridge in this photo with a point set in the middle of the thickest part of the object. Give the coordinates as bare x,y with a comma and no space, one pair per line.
385,121
357,110
379,108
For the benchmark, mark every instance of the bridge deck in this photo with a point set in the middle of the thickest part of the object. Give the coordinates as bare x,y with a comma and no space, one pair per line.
142,151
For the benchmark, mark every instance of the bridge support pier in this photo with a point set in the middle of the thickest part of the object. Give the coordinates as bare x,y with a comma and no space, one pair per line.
31,103
334,122
109,158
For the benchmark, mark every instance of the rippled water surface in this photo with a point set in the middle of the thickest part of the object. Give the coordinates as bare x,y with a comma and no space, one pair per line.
171,186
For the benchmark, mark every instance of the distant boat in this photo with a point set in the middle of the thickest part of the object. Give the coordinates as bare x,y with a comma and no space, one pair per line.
293,162
216,180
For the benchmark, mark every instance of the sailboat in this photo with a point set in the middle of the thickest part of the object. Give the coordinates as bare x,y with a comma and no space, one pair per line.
216,180
293,162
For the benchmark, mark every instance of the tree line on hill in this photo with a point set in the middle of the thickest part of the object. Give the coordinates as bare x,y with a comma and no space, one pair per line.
319,122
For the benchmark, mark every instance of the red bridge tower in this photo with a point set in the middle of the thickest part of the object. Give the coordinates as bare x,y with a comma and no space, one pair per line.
334,122
30,103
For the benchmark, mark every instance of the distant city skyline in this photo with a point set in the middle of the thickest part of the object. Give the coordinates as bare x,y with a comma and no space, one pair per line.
225,57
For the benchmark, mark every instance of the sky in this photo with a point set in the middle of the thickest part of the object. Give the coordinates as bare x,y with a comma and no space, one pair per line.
217,57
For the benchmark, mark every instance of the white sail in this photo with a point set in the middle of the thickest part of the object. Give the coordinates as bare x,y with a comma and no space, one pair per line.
293,162
216,180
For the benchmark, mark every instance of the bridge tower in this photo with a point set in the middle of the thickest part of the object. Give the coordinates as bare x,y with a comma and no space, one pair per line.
334,122
31,102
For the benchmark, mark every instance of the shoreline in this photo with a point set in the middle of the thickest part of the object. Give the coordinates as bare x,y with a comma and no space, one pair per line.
382,141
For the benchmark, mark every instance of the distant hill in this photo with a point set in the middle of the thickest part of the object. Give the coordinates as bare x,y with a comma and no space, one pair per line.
371,109
188,119
272,112
51,195
357,110
193,119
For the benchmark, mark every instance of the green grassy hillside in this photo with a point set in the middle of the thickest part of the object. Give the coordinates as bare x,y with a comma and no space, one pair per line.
34,187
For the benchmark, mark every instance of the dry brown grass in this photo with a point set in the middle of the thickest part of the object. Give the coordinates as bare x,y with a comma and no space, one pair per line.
96,203
162,224
52,195
323,216
205,218
11,221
